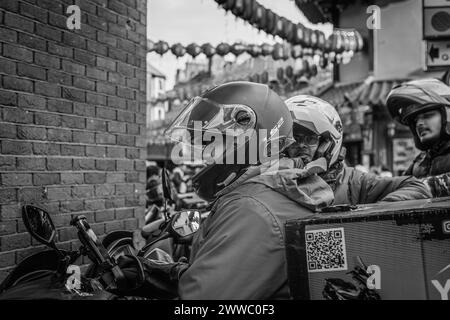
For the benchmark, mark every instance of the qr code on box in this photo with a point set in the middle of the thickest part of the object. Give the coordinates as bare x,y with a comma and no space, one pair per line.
325,250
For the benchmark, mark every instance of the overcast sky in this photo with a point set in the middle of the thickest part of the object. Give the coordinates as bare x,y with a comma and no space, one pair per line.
202,21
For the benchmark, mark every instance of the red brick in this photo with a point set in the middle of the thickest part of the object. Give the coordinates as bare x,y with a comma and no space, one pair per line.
106,113
94,205
112,152
105,138
83,109
73,122
83,83
72,178
96,47
94,178
106,88
17,84
73,67
8,130
59,77
132,177
72,206
115,177
125,140
47,60
7,163
124,165
84,164
125,116
59,164
95,151
106,38
16,147
59,193
45,148
83,137
124,189
125,69
30,163
83,192
104,215
7,259
72,150
65,234
114,126
125,92
59,50
46,178
104,190
31,133
74,94
16,179
74,40
48,32
8,195
7,66
95,73
107,64
96,99
119,55
32,42
30,71
57,20
107,14
34,194
105,165
124,213
47,89
10,5
7,227
96,125
132,202
47,119
17,22
8,98
113,225
61,135
51,5
115,203
60,106
15,241
31,101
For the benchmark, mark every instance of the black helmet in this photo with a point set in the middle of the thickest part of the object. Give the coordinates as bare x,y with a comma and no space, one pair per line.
231,127
407,100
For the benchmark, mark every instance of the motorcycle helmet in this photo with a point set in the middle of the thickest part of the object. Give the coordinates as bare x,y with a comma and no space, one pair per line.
407,100
319,117
230,127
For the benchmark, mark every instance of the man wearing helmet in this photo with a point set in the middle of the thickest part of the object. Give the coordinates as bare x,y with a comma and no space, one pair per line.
424,106
318,133
240,128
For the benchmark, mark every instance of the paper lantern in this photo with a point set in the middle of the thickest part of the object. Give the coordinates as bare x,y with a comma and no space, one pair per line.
238,48
193,49
323,62
267,49
279,27
229,4
238,8
296,51
270,21
178,50
264,77
313,70
223,49
289,71
248,9
289,31
258,12
320,40
306,42
299,34
280,74
208,50
161,47
314,39
278,53
254,50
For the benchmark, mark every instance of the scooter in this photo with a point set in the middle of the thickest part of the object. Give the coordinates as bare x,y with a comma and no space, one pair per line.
51,274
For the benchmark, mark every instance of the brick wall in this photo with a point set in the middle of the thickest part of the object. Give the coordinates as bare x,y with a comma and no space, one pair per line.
72,118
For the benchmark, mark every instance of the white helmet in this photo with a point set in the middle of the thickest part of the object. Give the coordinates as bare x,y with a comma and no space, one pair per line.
319,117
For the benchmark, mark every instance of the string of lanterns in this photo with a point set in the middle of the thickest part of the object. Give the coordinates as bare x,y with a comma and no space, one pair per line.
297,34
277,51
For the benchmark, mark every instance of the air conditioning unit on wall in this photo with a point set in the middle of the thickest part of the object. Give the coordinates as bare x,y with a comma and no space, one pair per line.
436,19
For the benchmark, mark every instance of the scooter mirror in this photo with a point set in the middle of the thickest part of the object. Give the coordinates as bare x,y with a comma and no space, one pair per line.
185,223
39,225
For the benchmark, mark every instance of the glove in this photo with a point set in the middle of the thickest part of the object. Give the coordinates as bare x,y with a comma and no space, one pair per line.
439,185
150,278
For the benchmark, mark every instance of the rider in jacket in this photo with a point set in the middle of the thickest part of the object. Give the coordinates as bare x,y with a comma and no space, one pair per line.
239,252
424,106
318,133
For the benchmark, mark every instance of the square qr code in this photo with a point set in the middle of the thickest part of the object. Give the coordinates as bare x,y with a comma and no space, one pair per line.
325,250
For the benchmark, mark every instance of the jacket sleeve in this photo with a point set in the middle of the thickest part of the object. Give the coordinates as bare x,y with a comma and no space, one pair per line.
241,257
374,188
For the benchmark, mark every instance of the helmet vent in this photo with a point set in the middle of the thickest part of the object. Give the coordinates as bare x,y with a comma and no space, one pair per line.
243,118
